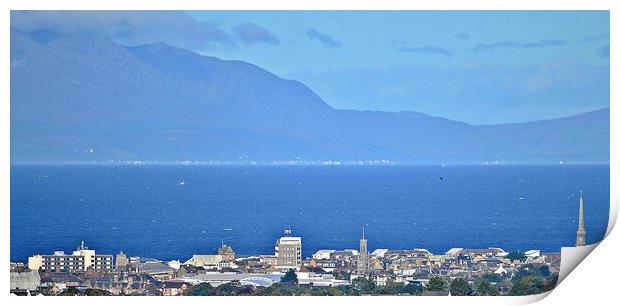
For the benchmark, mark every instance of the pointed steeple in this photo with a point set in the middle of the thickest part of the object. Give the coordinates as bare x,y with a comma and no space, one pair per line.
363,233
362,265
581,230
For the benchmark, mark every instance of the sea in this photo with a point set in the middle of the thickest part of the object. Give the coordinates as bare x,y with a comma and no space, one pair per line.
173,212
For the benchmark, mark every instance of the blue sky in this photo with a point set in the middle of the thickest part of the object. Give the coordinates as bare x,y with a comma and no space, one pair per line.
385,38
476,66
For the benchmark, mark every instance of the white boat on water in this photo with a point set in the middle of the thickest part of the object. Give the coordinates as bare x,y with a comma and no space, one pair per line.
182,182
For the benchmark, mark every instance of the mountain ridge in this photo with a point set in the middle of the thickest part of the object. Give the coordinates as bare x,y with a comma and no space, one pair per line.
73,93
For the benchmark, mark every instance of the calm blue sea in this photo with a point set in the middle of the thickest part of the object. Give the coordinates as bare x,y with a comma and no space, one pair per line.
144,211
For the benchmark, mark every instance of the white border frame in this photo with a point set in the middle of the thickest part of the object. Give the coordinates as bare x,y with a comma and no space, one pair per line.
594,279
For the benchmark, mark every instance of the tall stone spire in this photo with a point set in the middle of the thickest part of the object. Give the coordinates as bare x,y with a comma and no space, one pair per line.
362,264
581,230
363,233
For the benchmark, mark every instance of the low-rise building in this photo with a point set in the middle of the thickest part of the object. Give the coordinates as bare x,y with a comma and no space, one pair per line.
320,280
157,270
173,288
57,282
270,260
30,280
175,264
323,254
325,264
80,260
204,260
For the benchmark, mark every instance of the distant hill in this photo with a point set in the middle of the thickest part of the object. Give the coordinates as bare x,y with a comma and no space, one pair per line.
78,98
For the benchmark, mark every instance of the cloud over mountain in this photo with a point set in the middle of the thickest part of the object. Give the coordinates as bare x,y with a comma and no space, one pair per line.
323,38
251,33
128,27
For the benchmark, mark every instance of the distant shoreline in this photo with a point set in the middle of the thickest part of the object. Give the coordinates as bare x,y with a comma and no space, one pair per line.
285,163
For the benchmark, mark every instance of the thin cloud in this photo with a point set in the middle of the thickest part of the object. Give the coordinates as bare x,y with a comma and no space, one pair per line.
545,43
324,39
427,50
595,38
251,33
127,27
462,36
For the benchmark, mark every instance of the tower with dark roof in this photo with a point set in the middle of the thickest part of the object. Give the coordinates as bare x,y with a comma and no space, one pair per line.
227,252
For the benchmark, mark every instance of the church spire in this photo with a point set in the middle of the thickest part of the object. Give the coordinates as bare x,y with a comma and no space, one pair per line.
363,233
581,230
362,264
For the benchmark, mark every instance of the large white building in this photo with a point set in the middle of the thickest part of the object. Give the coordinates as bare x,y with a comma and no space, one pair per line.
288,251
80,260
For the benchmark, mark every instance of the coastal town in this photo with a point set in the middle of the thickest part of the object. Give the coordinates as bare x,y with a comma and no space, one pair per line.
458,271
328,272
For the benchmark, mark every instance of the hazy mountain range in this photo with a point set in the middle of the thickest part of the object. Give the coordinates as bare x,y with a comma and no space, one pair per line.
82,98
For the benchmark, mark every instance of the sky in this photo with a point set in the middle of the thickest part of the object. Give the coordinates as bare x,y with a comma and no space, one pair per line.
480,67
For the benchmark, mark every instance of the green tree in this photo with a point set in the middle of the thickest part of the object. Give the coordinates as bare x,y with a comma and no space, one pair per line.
290,277
484,287
460,287
362,286
536,270
493,277
436,283
201,290
528,285
331,291
544,270
71,291
411,289
97,292
232,289
273,290
552,281
391,288
533,279
341,275
516,255
281,289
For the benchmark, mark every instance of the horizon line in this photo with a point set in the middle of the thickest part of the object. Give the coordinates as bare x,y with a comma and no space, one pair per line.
296,163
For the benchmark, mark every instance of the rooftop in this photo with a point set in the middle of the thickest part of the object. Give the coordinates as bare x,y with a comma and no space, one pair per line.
291,240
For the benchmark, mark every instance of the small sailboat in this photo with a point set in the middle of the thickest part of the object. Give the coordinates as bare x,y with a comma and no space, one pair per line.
182,182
